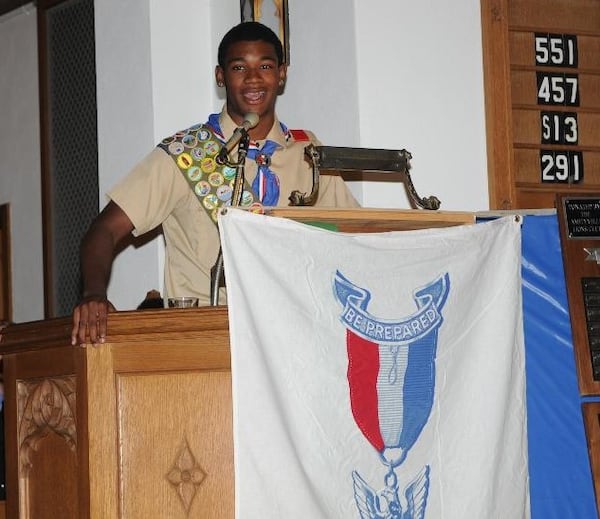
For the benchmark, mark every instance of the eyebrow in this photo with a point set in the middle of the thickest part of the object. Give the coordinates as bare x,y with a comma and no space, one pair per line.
242,58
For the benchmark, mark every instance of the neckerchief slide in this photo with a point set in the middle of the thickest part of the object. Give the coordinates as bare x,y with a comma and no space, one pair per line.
266,182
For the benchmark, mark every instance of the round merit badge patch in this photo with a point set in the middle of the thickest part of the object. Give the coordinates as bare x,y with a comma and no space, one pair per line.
194,173
202,188
193,151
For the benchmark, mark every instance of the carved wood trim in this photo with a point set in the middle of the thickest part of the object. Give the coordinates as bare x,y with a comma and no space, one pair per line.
185,476
44,407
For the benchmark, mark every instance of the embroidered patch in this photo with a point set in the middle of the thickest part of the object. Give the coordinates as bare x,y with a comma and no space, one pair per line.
299,135
194,173
193,151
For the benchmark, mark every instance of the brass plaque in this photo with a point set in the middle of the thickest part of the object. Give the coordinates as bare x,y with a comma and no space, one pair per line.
582,217
579,222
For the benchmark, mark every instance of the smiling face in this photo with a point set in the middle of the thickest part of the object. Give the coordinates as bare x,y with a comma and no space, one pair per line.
252,77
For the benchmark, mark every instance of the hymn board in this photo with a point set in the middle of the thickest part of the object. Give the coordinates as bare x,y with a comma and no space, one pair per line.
542,100
542,74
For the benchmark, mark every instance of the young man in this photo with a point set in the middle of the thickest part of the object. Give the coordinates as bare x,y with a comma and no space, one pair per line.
181,185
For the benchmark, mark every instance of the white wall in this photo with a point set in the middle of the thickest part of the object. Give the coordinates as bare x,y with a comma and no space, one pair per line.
322,89
420,78
20,159
125,127
381,74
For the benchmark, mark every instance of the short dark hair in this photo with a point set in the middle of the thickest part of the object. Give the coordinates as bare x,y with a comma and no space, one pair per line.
249,31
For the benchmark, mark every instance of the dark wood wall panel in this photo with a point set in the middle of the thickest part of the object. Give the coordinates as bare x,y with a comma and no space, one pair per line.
524,89
5,265
548,54
566,15
521,43
10,5
527,127
529,162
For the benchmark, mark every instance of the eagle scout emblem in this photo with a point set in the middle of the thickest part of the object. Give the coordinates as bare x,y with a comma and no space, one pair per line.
391,378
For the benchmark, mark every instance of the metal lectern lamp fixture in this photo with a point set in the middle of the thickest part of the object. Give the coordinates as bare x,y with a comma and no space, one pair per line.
364,160
342,159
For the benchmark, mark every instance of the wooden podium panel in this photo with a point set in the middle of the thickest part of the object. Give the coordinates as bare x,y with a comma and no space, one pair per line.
138,427
141,426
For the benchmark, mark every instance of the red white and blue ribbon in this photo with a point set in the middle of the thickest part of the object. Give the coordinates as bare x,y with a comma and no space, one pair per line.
391,366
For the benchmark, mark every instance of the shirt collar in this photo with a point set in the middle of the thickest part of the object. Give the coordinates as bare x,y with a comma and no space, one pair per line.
228,126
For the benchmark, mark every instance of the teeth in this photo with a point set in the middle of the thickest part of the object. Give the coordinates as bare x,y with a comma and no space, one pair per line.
254,96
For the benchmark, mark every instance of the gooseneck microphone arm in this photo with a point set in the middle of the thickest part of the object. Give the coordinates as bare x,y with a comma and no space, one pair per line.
250,121
217,278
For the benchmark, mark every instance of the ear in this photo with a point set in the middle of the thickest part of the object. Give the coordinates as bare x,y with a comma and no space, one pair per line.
219,76
282,73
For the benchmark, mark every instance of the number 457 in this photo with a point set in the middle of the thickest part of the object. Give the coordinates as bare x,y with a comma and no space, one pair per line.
558,89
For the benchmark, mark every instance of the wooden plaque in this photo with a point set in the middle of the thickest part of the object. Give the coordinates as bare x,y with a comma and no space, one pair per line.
591,416
579,221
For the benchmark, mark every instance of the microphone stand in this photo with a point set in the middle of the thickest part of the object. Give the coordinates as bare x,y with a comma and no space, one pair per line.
217,278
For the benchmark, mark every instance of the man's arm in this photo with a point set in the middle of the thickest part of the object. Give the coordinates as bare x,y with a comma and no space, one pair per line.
97,253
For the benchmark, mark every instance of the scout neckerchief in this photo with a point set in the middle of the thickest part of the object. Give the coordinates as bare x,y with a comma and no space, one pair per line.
194,152
266,182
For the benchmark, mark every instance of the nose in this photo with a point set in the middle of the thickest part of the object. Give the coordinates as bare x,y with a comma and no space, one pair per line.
252,74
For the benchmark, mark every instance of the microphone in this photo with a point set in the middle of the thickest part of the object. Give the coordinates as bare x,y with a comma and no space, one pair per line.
250,121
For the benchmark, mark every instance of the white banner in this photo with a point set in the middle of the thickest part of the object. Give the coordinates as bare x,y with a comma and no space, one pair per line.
376,375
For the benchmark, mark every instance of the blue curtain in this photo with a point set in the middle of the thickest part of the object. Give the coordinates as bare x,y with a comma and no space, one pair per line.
559,469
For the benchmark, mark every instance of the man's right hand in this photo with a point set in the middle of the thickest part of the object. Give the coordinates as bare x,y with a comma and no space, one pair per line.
89,320
98,248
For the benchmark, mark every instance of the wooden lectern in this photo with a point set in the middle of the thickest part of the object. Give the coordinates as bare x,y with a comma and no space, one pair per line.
140,427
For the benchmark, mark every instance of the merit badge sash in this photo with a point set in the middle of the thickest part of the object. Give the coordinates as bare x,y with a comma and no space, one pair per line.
194,151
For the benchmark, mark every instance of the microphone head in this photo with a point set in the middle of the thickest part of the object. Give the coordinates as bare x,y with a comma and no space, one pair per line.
250,120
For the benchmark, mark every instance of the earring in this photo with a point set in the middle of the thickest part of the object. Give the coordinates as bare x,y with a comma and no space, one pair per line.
281,82
220,84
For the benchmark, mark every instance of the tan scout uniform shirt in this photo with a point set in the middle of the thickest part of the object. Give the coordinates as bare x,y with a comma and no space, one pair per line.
155,192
